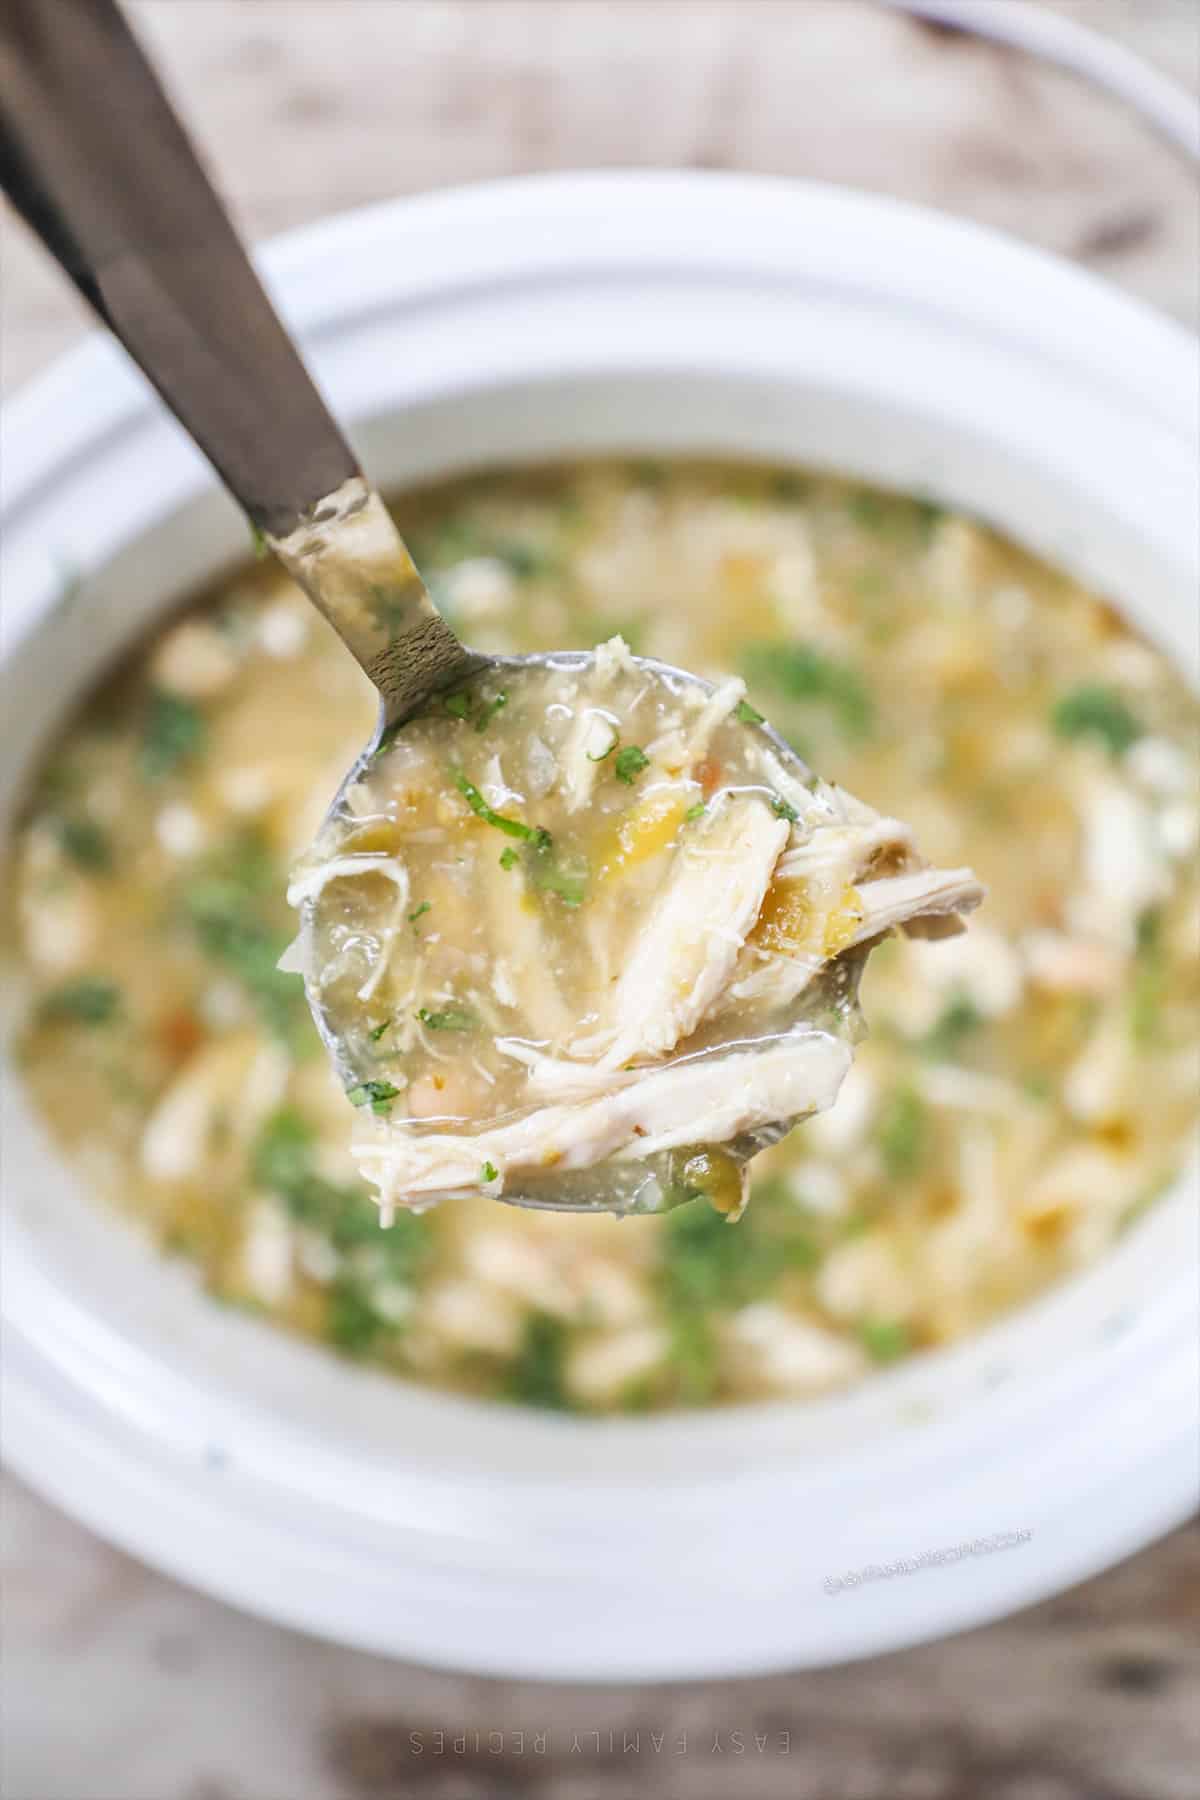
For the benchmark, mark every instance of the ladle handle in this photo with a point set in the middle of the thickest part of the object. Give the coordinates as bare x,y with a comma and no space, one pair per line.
93,156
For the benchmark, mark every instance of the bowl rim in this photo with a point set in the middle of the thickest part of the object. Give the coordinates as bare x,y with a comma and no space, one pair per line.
586,222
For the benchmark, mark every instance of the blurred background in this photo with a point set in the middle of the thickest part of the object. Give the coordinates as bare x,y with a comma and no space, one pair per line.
118,1685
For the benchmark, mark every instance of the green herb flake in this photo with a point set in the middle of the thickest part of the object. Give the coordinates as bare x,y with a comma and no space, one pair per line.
959,1021
537,1374
448,1018
489,1173
88,1000
87,844
258,540
351,1322
457,705
566,877
710,1261
379,1030
533,834
1095,711
695,812
377,1094
903,1130
173,733
230,904
629,762
748,714
488,711
807,676
509,858
783,809
418,912
885,1340
283,1162
525,561
387,738
694,1357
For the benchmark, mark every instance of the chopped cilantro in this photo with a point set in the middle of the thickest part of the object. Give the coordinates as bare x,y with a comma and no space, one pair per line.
1093,710
230,904
809,677
783,809
564,876
629,763
693,1355
283,1162
351,1322
960,1018
709,1261
86,843
509,858
488,711
695,812
748,714
885,1340
418,912
378,1094
387,738
173,733
282,1155
525,561
709,1264
449,1018
902,1133
379,1030
88,1000
489,1173
537,1374
461,706
533,834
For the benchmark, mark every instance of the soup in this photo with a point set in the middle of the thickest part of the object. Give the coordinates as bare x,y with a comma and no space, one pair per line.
656,975
1026,1088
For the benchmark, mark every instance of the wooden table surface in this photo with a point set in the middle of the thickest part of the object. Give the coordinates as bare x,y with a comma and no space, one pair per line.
120,1685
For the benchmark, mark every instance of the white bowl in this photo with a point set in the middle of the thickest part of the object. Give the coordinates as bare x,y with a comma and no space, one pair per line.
588,313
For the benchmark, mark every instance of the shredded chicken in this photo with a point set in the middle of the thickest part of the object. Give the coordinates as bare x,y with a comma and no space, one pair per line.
642,1115
925,893
682,959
